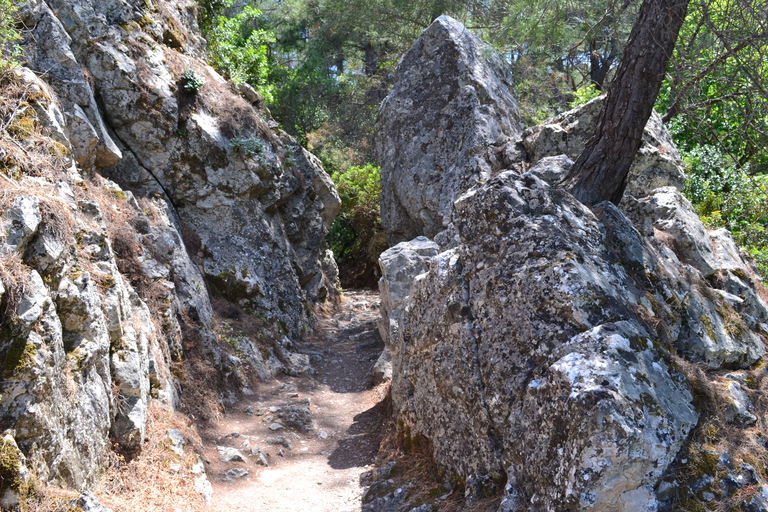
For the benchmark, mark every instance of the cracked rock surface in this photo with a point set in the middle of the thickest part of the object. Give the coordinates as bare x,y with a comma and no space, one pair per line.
543,333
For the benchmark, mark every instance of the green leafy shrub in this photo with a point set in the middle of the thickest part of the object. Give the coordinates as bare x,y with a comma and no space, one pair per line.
239,48
193,82
725,196
359,220
583,95
9,36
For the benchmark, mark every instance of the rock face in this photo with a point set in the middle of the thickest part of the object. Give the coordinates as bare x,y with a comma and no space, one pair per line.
399,265
77,349
544,335
254,206
436,130
105,286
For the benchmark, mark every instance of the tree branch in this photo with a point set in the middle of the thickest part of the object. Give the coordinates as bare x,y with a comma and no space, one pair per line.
674,109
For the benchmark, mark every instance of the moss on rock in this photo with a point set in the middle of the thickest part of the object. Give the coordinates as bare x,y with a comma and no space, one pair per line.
14,478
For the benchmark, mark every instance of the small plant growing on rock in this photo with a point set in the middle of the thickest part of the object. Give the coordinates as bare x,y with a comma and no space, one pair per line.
193,82
290,156
248,146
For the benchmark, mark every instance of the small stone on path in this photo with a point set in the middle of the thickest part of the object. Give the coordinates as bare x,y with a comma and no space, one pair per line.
228,454
236,473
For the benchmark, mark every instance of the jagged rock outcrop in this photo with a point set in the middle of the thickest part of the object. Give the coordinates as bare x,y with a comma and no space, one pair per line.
76,349
399,267
104,293
253,204
440,129
14,475
544,336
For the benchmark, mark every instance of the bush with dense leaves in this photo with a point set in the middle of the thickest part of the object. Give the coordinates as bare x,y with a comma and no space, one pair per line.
9,36
239,48
727,197
359,220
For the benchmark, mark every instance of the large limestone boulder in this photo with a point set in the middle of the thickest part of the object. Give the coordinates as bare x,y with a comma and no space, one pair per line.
436,130
400,266
544,335
525,342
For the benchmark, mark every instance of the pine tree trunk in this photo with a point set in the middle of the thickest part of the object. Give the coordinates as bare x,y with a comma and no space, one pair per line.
600,172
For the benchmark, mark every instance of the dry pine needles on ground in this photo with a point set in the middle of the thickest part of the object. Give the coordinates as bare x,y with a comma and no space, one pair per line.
157,479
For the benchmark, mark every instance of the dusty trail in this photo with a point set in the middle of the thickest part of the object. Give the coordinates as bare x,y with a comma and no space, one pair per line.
317,469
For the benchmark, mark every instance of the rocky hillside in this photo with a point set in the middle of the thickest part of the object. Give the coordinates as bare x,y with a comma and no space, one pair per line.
135,184
604,359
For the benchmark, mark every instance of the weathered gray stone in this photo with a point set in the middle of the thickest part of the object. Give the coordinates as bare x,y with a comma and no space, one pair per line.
399,267
740,406
657,163
51,54
177,440
552,169
391,502
229,454
20,222
261,457
673,214
273,264
249,93
49,114
759,501
14,475
88,503
298,417
666,490
280,440
236,473
202,484
382,370
62,417
480,328
532,269
436,130
725,251
710,335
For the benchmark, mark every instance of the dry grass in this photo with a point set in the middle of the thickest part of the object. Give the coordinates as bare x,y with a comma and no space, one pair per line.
149,482
24,147
14,275
50,499
201,382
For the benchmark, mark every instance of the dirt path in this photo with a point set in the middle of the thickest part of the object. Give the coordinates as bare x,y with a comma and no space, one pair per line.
311,467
